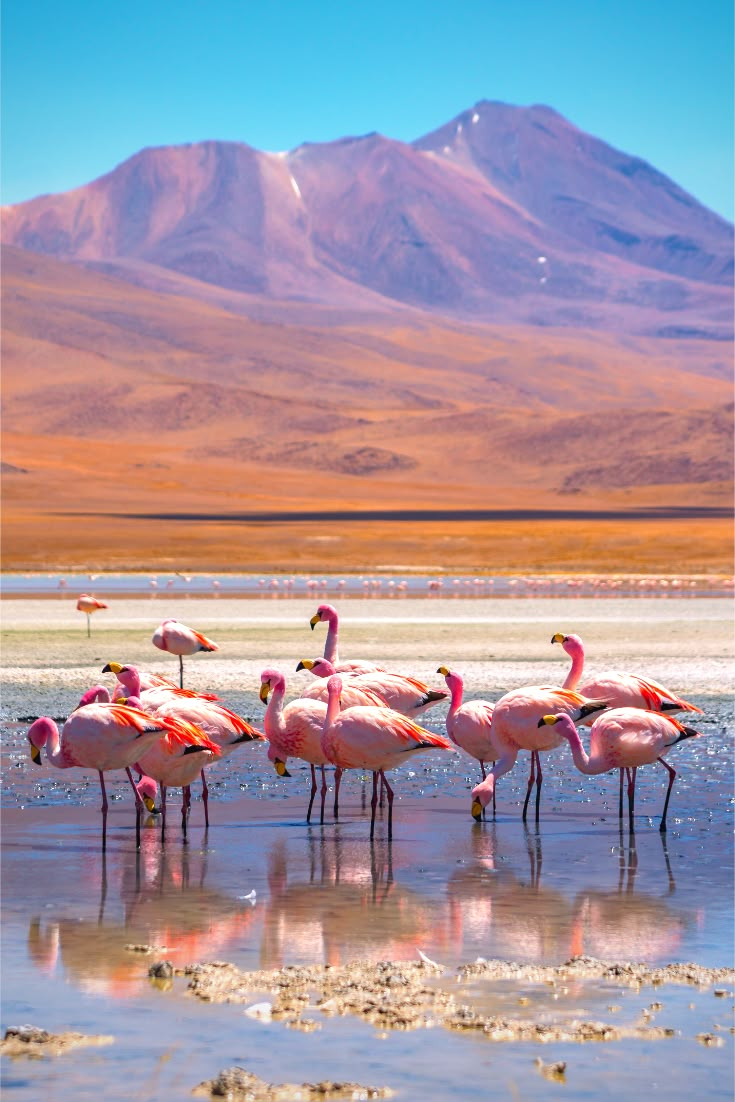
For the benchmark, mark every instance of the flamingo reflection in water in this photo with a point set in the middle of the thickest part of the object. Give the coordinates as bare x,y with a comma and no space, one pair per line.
165,903
341,904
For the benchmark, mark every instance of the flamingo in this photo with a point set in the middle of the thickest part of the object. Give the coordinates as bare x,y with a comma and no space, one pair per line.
148,686
624,738
99,736
514,727
468,724
328,614
623,690
396,690
368,737
295,731
217,722
178,639
89,604
177,759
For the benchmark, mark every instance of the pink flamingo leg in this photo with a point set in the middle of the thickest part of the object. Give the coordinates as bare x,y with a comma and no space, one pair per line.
620,797
105,805
324,794
389,790
138,807
313,794
539,778
631,797
531,779
163,813
672,775
337,782
205,799
185,805
181,671
482,769
373,805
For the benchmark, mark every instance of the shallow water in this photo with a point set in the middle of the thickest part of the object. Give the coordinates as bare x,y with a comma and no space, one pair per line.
453,889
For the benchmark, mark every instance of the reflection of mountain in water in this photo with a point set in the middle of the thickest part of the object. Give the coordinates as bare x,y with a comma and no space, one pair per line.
165,904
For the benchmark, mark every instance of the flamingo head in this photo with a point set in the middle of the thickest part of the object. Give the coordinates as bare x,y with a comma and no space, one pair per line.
566,724
39,733
270,680
482,794
572,644
334,686
147,789
279,764
452,679
98,694
320,667
126,675
325,614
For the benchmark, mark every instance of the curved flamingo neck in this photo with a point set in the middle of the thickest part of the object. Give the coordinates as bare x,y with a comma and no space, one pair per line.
574,648
273,722
47,736
456,688
99,694
130,678
579,754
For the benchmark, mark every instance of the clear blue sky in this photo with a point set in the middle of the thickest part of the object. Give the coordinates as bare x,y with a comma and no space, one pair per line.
87,84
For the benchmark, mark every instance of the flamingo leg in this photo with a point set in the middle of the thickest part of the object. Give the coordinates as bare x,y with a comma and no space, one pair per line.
672,775
103,809
313,794
89,625
620,797
181,671
373,805
493,801
205,799
185,798
531,779
389,790
163,813
323,794
382,792
482,769
539,778
138,808
337,782
631,798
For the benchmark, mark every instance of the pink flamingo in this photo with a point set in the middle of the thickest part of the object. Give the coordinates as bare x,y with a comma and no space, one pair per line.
178,639
177,759
88,604
218,723
328,614
514,727
469,724
623,690
624,738
151,687
396,690
295,732
99,736
372,738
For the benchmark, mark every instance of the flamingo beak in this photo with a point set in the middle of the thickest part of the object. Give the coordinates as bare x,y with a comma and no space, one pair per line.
265,688
477,810
35,754
316,618
112,667
305,663
547,721
443,671
558,638
150,804
281,768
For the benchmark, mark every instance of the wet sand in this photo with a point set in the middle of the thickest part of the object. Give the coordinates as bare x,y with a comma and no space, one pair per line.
263,891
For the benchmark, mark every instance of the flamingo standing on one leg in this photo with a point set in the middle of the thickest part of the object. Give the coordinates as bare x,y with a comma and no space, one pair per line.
514,727
98,736
403,694
624,738
89,604
372,738
178,639
328,614
296,731
469,724
623,690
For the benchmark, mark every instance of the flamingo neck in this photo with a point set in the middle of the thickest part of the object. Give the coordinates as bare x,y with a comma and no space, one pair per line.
52,744
273,722
333,705
98,695
330,645
456,688
575,650
131,680
579,754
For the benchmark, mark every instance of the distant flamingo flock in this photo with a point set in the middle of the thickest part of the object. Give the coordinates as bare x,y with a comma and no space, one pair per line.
357,716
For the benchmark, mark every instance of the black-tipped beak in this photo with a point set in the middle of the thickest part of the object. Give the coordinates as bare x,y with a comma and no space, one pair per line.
265,688
477,811
280,767
314,620
300,666
35,754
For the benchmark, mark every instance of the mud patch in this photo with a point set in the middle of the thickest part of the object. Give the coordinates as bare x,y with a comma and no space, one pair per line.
29,1040
238,1085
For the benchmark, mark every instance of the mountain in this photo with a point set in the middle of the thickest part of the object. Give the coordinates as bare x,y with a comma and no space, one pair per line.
505,214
